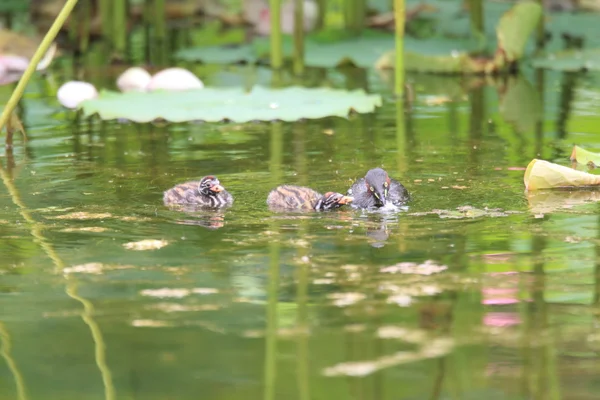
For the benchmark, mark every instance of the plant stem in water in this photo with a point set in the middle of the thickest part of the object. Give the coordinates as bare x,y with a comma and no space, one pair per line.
106,18
160,32
85,21
119,28
39,53
276,41
349,18
541,32
399,15
298,37
322,6
476,14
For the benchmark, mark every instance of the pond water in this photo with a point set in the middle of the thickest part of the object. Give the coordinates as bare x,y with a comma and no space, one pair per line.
478,290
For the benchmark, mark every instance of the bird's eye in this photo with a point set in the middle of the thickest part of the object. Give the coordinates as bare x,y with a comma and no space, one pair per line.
372,189
385,184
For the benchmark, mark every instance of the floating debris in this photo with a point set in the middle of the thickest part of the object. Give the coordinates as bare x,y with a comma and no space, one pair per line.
406,334
149,323
89,268
177,293
81,215
429,267
94,229
204,291
433,348
402,300
147,244
175,307
166,292
346,299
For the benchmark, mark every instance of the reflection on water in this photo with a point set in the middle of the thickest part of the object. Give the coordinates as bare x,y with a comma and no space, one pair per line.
476,290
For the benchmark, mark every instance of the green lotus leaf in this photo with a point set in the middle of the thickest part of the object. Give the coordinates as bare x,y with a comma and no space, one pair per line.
233,104
586,157
219,54
319,52
515,28
570,60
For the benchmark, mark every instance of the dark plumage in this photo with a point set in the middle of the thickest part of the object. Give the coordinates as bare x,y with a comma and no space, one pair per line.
207,193
377,189
299,198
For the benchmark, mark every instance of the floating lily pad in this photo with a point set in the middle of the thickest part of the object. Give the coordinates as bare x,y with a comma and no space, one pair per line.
583,156
218,104
219,54
439,55
515,27
570,60
512,32
362,52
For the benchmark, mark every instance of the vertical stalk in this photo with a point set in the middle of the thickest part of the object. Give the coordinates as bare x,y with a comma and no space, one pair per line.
35,60
298,37
160,31
302,322
106,7
321,15
399,15
74,26
541,31
476,14
119,27
85,14
270,374
360,15
276,41
147,23
349,14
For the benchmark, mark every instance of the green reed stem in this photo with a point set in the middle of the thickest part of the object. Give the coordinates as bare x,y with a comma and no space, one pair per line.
349,14
85,21
360,15
322,4
160,22
119,28
160,31
298,37
541,31
399,15
270,372
476,16
106,15
276,39
39,53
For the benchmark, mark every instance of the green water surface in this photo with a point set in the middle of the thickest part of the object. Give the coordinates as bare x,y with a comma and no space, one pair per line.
248,304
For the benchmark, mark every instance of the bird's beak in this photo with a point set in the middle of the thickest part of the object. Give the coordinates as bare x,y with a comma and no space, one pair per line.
346,200
217,188
382,199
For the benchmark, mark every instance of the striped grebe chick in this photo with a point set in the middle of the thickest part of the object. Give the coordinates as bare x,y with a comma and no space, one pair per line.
300,198
206,193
